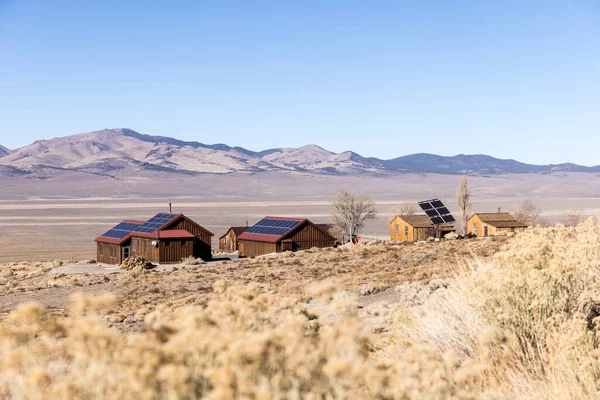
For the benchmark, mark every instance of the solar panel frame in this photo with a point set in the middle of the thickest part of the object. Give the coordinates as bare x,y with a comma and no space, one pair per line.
437,212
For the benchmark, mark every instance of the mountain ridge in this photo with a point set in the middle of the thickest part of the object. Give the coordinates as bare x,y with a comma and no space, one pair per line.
115,152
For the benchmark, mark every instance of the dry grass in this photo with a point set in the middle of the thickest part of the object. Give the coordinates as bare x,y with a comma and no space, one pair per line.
498,318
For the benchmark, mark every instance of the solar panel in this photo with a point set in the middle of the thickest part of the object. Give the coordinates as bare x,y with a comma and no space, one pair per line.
155,222
436,211
448,218
437,220
272,226
121,230
431,213
437,204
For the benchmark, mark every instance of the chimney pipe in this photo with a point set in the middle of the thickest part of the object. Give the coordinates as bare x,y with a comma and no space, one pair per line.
246,223
498,210
170,209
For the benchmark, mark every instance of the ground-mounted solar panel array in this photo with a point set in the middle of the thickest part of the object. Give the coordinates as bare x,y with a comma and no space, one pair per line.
155,222
121,230
271,226
436,211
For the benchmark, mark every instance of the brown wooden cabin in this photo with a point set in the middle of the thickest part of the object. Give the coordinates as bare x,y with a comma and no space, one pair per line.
277,234
229,242
164,238
413,228
490,224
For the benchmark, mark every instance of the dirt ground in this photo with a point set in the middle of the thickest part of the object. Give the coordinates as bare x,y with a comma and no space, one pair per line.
370,270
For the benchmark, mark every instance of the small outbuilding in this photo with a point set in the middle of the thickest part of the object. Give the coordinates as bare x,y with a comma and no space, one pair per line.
413,228
490,224
164,238
229,241
277,234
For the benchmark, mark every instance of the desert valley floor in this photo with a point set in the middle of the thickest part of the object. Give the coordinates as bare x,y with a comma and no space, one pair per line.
55,219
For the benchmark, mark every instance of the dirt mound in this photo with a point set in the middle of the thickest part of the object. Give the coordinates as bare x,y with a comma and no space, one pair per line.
134,263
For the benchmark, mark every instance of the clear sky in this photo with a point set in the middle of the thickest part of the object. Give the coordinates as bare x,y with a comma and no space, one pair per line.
512,79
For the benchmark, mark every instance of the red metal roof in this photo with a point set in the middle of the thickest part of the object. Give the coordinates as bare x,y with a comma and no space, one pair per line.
238,230
175,234
157,234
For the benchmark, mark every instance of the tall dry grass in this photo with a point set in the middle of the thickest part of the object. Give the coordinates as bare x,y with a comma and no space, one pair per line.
521,326
527,320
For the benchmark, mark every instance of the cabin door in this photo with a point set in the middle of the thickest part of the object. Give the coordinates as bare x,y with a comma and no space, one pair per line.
126,252
485,231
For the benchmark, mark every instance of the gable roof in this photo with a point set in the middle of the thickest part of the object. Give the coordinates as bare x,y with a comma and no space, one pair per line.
151,229
324,227
237,230
269,238
499,220
418,221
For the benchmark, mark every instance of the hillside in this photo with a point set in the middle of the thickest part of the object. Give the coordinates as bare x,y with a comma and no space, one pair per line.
123,152
4,151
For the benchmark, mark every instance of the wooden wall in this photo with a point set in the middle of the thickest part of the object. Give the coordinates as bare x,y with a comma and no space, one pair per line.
308,237
103,253
402,231
202,245
250,248
174,250
228,242
477,226
142,247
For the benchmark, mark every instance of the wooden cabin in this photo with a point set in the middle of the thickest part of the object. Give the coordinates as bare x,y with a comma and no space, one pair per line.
490,224
164,238
229,242
277,234
413,228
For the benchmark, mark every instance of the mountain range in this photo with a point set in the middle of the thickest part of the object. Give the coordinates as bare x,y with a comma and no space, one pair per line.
117,152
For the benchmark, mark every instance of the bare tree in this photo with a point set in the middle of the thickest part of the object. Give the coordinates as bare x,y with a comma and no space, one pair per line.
574,218
405,209
350,213
527,212
463,198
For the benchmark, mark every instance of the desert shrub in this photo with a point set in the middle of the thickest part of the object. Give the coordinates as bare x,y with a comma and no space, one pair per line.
57,263
191,260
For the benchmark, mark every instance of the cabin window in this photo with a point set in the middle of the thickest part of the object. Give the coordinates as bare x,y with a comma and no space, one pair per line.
183,243
146,243
101,248
406,231
474,228
397,229
167,244
139,245
112,250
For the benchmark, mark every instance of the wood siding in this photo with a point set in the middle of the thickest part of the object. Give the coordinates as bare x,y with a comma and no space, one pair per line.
145,249
402,231
174,250
202,245
308,237
229,241
478,227
103,253
305,237
249,248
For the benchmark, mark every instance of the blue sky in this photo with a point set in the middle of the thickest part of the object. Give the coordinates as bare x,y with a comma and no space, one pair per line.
512,79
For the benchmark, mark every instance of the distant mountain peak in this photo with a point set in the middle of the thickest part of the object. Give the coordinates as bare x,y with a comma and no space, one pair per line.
4,151
121,151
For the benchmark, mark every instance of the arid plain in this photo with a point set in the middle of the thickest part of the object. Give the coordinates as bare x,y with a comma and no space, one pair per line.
59,218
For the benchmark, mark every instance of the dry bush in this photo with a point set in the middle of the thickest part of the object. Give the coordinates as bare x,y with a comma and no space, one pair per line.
527,320
191,260
248,344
